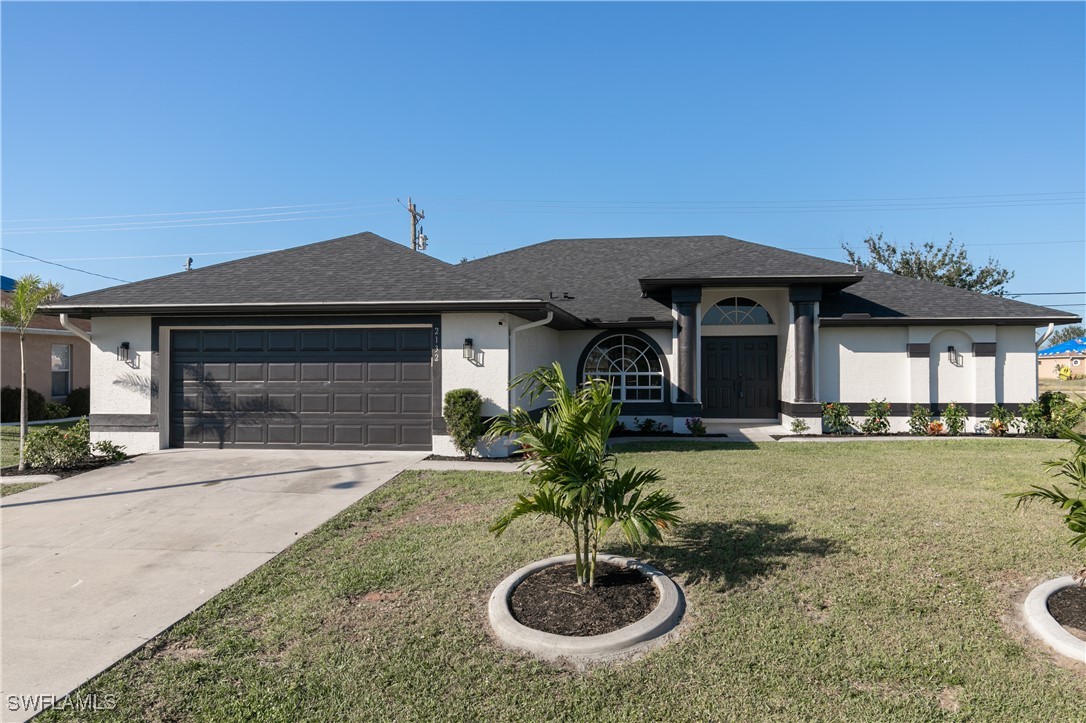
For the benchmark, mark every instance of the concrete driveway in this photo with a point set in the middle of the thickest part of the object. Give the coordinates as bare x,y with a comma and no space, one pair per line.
95,565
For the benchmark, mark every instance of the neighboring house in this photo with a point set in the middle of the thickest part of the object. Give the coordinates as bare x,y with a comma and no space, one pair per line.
1071,353
352,343
57,361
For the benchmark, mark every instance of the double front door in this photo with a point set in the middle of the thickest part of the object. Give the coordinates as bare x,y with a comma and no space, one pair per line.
739,377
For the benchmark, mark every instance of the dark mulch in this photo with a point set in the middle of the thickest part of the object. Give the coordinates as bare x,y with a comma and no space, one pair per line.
638,433
72,471
552,601
1068,606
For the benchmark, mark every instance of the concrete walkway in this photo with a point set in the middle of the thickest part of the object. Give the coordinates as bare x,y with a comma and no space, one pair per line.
96,565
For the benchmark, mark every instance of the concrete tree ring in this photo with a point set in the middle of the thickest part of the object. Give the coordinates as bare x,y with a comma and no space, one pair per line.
1045,626
628,642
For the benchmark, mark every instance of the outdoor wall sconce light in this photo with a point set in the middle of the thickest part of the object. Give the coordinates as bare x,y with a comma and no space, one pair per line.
122,351
473,355
954,357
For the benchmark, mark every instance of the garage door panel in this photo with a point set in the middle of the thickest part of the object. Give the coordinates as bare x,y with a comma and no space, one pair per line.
316,373
302,387
348,434
316,434
282,372
416,403
249,372
321,403
381,403
348,372
415,371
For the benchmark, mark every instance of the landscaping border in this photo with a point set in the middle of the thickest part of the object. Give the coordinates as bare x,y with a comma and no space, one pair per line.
1045,626
628,642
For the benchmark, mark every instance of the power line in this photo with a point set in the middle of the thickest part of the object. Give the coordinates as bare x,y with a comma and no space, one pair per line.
189,213
70,268
185,225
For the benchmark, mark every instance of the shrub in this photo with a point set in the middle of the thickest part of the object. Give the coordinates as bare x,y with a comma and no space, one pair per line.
1051,411
463,415
109,450
799,426
954,417
1000,421
696,426
79,402
55,410
935,428
574,476
55,448
878,418
920,420
837,418
9,405
650,426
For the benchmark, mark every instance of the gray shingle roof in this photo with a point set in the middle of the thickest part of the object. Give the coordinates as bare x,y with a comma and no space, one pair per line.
359,268
888,296
591,279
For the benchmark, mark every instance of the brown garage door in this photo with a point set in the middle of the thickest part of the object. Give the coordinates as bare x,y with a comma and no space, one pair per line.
312,388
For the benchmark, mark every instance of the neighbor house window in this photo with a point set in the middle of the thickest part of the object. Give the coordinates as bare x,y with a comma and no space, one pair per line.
62,370
736,311
631,365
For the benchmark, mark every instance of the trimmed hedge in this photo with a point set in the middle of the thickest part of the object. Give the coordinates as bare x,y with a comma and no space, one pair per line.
78,402
9,405
463,416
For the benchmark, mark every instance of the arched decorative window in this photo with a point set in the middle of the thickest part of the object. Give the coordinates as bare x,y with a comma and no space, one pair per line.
736,311
630,364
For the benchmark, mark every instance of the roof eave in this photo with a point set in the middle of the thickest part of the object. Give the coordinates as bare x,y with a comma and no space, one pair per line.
840,281
939,321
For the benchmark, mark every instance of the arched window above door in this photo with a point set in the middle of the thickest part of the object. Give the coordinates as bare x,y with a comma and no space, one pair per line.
736,311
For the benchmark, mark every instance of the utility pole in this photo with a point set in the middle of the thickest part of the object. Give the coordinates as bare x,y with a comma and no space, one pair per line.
418,238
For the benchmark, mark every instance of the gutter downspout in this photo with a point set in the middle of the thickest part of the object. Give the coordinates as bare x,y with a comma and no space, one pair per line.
1048,333
67,324
513,331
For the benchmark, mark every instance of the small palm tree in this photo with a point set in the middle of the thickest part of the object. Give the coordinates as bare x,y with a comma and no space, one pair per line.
573,472
18,311
1072,502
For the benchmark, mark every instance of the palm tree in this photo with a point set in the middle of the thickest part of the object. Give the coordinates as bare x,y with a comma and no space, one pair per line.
18,311
573,472
1072,502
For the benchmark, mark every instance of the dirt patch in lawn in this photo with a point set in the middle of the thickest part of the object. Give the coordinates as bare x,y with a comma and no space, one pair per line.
1068,607
551,600
438,511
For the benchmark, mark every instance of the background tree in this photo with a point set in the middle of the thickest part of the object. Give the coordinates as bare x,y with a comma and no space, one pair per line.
18,311
948,265
1066,333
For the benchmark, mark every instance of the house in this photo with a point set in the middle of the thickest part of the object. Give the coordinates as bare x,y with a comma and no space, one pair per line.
1070,354
57,360
352,342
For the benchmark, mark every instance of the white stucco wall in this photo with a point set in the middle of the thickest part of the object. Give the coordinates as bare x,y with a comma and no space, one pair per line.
1016,364
119,387
857,365
488,375
534,347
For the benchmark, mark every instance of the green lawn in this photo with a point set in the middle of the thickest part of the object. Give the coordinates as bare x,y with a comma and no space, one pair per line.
861,581
10,488
9,442
1069,387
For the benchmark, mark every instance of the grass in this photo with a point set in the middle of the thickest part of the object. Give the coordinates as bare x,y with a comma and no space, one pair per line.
9,442
11,488
1069,387
857,581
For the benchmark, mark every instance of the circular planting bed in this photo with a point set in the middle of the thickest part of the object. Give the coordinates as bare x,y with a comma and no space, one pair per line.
1056,612
540,609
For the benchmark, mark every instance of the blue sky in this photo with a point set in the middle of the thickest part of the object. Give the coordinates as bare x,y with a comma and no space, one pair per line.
799,126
